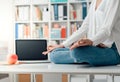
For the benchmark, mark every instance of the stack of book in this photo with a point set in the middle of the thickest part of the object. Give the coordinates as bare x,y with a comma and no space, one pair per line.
78,12
40,31
22,13
59,12
74,27
22,31
41,13
58,31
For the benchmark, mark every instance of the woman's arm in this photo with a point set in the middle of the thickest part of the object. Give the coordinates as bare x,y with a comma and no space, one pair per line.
108,24
81,31
78,34
52,47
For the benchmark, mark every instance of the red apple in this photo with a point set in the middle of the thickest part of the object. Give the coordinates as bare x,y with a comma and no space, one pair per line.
12,59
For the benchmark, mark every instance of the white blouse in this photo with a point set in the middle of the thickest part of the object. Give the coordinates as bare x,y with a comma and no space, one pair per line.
101,25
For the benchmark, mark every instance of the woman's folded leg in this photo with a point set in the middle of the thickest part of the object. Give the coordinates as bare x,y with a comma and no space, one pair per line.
61,56
96,56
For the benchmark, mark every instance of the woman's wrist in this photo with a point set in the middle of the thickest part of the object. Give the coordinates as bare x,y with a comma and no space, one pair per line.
61,46
85,41
91,42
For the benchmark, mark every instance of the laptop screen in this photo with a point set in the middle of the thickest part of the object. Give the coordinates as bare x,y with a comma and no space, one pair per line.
31,49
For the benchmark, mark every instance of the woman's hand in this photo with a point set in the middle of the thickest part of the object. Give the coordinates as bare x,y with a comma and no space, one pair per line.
52,47
102,45
82,42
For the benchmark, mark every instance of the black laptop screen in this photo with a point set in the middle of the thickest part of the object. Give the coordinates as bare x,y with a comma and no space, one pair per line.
31,49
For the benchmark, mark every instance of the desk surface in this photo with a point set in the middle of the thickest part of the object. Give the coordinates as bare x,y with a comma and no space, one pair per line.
58,68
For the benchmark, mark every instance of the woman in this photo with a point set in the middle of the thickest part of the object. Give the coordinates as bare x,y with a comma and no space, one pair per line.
102,27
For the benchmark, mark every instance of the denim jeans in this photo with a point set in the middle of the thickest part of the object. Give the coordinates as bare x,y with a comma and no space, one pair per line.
94,56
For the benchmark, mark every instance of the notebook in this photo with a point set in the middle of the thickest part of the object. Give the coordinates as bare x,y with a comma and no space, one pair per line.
30,50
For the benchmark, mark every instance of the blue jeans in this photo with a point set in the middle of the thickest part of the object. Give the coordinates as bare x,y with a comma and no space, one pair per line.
92,55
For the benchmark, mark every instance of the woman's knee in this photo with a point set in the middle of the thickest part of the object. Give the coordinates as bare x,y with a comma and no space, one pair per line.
81,54
60,55
56,54
53,56
78,52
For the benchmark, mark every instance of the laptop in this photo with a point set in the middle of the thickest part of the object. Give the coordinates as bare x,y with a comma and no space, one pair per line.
30,50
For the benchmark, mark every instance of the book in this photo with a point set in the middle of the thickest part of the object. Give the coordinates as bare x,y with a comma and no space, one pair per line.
16,13
20,31
71,11
55,11
46,15
26,11
73,27
52,13
26,29
38,12
34,31
16,30
55,33
20,13
63,32
74,14
84,10
65,12
23,13
37,31
76,11
45,31
79,12
40,30
60,12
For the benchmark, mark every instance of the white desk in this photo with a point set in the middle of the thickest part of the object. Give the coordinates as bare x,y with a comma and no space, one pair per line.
48,68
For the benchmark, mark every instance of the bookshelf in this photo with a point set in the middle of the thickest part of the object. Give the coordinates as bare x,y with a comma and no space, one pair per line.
54,20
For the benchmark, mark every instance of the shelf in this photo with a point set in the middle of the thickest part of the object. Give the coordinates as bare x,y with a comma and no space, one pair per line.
57,21
40,1
22,22
40,38
32,39
40,21
58,2
38,18
75,2
22,2
40,4
76,20
58,38
19,4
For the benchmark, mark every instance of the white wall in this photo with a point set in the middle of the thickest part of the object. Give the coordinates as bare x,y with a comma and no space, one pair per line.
6,22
